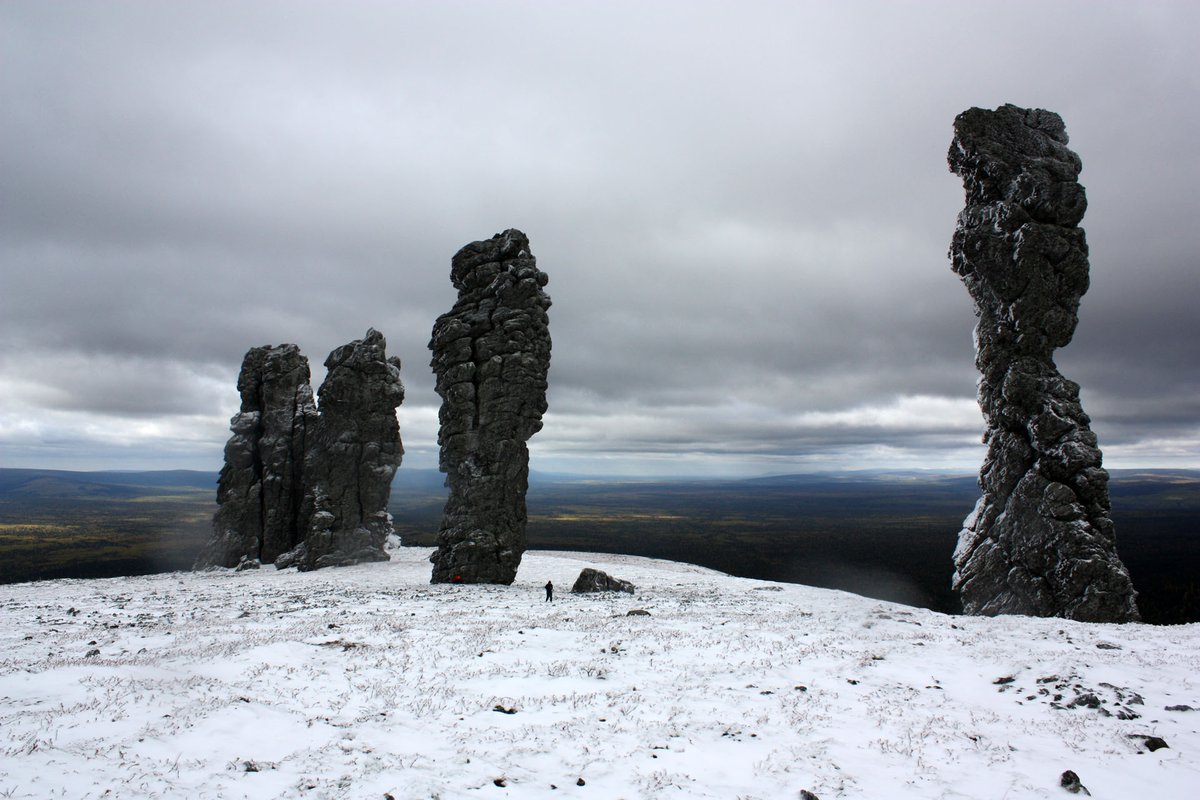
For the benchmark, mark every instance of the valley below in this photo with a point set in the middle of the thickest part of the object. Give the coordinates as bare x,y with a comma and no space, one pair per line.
887,536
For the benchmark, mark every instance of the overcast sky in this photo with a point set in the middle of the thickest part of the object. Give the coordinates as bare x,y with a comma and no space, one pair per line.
744,210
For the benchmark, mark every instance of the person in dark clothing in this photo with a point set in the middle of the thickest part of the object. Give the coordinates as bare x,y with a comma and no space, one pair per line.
549,591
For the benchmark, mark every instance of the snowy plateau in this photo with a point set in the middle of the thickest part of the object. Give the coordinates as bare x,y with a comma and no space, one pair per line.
368,682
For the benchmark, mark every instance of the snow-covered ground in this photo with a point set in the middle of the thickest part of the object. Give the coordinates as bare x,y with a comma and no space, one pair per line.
367,682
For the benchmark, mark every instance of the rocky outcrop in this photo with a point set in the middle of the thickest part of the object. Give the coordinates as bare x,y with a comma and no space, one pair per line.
491,355
261,487
594,580
352,458
302,488
1040,540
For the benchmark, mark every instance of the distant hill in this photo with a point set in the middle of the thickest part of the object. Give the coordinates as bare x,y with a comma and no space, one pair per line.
117,484
65,483
882,534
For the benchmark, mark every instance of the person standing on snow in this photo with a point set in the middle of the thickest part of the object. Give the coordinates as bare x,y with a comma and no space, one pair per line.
549,591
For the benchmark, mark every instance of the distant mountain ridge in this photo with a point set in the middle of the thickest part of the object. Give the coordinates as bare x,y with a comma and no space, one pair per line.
884,534
121,483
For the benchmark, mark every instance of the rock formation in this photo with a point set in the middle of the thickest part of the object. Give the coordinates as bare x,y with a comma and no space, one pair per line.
593,580
491,355
261,487
352,458
1040,540
302,488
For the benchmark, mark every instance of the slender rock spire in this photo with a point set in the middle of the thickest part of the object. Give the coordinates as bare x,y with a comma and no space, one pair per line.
1040,540
352,458
261,487
491,355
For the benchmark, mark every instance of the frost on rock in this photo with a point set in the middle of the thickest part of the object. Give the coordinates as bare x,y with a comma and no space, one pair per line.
491,356
302,488
1040,541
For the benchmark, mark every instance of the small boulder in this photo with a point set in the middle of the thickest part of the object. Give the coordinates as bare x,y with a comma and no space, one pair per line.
1070,782
1151,743
637,612
593,580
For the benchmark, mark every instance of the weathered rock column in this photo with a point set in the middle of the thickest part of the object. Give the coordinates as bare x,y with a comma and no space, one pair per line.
352,457
261,487
491,356
1040,540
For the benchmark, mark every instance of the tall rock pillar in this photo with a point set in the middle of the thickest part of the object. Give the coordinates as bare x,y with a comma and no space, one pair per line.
1040,540
352,457
491,356
261,487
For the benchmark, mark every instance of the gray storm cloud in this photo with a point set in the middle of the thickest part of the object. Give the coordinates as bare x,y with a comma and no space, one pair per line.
744,212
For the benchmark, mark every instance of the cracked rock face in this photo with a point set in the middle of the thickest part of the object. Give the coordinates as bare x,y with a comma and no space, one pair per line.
352,457
491,356
261,487
1040,540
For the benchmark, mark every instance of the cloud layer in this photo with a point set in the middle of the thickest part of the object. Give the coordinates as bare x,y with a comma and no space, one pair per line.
744,212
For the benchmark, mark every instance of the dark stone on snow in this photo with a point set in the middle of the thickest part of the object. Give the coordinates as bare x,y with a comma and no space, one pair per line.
1151,743
261,487
1040,540
637,612
593,580
805,794
1178,708
491,356
1070,782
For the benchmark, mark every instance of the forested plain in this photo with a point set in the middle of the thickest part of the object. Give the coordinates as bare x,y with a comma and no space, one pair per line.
885,535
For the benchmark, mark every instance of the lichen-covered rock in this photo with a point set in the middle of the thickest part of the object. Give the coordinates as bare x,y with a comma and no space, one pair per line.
261,487
352,457
1040,540
491,356
594,580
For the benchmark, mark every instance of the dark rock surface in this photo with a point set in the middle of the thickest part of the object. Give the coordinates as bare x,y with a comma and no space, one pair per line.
352,457
491,355
1040,540
261,487
1151,743
593,580
1070,782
